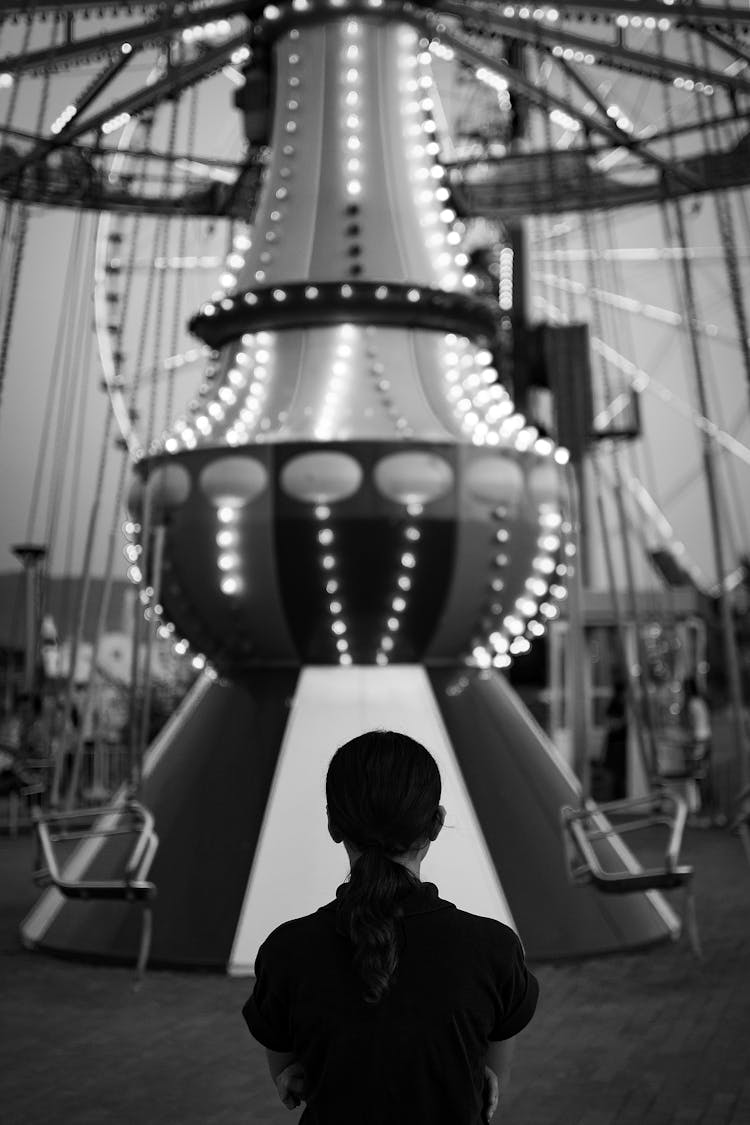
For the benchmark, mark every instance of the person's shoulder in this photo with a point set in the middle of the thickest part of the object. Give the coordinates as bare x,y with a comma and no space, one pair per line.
489,932
296,930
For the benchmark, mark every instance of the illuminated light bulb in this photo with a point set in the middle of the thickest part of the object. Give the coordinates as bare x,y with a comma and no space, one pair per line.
230,584
399,604
381,292
408,559
338,627
328,562
226,515
325,536
404,582
392,623
354,187
331,586
228,562
543,565
381,658
226,538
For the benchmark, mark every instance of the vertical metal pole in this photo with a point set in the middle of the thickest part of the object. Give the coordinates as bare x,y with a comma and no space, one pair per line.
577,685
30,555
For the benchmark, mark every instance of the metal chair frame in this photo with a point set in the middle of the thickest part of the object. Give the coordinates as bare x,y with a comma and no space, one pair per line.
582,827
133,887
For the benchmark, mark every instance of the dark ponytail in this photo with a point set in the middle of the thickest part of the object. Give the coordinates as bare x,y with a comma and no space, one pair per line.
383,792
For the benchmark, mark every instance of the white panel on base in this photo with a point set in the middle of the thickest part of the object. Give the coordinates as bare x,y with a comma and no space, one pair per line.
297,867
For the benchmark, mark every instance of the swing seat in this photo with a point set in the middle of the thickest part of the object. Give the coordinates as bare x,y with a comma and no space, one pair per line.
53,829
582,828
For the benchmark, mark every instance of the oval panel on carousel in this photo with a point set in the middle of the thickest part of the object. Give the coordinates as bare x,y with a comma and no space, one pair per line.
167,488
321,478
495,480
233,482
413,478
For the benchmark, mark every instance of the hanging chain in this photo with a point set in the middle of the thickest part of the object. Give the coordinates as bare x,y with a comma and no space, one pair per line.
731,655
181,248
726,230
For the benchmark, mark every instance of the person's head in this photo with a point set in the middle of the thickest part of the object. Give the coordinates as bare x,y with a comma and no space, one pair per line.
383,803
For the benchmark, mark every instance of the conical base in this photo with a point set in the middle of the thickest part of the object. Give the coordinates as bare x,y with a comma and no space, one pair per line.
236,784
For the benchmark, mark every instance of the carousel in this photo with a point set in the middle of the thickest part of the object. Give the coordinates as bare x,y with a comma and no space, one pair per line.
397,311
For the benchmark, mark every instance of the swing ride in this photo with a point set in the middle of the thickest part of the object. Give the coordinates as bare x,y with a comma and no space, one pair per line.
373,342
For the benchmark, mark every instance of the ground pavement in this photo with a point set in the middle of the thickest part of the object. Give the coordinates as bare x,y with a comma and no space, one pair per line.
651,1037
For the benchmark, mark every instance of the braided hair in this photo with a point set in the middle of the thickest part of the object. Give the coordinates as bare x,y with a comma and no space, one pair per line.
383,793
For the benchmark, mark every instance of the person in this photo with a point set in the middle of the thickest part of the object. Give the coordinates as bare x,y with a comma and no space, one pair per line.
698,749
615,756
389,1005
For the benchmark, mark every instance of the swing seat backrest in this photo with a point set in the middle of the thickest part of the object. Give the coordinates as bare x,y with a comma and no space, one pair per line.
583,827
133,885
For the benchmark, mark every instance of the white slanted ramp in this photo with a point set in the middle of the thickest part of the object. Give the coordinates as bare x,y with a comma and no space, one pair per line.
297,866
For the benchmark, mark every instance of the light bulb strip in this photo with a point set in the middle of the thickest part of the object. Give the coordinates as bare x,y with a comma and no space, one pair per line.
402,587
330,575
312,304
152,610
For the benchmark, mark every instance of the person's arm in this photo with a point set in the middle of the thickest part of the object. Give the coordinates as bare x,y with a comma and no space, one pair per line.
498,1060
278,1061
289,1076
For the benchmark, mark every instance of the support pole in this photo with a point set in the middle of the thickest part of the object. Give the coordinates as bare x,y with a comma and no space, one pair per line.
576,681
30,556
